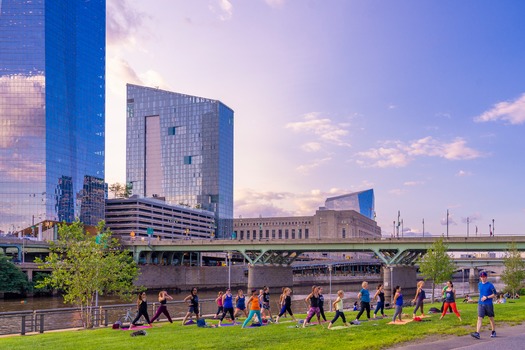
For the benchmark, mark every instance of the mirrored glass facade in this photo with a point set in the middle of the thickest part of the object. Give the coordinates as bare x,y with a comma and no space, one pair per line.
180,148
363,202
52,96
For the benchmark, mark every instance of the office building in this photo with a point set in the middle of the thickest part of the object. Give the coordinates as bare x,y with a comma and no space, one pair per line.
180,148
52,96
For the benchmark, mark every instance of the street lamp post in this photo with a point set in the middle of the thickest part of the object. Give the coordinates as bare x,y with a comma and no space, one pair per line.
447,223
229,256
493,228
423,227
330,272
468,221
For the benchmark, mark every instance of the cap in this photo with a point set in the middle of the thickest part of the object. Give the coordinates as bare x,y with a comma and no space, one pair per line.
482,274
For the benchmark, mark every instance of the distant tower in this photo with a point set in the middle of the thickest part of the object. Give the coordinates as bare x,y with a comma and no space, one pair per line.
180,148
362,202
52,100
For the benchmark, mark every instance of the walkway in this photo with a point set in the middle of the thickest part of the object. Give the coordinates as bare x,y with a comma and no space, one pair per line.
509,338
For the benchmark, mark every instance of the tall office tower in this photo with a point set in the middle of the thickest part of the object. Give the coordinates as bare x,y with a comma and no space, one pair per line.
180,148
52,96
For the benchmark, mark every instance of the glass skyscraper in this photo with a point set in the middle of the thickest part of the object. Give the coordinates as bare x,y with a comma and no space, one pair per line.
180,148
52,100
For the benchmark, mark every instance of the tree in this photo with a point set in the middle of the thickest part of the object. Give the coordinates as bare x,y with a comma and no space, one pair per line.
514,273
81,268
436,264
12,278
120,190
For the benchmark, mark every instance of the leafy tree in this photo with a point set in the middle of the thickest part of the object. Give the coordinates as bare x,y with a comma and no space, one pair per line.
514,273
81,268
120,190
436,264
12,278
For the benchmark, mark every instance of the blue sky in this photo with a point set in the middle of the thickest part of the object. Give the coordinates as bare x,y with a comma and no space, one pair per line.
424,101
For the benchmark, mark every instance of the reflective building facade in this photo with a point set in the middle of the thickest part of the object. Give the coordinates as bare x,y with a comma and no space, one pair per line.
363,202
180,148
52,100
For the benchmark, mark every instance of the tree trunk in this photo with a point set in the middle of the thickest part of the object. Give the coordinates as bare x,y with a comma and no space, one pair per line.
433,288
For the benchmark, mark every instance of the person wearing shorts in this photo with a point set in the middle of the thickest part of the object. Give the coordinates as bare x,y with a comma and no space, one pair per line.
193,308
487,293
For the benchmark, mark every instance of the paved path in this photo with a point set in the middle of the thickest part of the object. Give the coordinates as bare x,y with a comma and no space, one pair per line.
509,338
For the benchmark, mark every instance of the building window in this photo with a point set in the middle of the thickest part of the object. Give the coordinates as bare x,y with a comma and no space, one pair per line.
293,233
187,159
280,234
299,233
306,233
344,233
286,234
273,234
267,234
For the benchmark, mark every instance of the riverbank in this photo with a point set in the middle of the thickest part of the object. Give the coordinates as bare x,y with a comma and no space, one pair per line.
374,334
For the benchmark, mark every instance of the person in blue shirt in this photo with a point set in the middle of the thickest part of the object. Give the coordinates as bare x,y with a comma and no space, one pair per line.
364,296
487,293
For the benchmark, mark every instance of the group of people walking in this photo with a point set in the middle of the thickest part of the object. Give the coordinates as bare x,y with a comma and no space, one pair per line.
257,306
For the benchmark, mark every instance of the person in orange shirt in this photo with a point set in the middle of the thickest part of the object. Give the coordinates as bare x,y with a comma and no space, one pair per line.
255,308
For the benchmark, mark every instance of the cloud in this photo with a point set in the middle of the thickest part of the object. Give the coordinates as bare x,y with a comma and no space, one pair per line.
311,147
396,191
413,183
252,203
274,3
323,128
473,218
223,9
399,154
509,111
384,157
123,22
305,168
462,173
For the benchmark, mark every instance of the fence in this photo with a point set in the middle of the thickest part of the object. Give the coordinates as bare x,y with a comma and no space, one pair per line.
40,321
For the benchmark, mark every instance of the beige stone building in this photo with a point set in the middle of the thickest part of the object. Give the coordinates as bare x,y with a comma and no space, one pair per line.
338,224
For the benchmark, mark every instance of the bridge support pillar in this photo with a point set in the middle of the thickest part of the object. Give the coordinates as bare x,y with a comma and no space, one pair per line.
399,275
473,279
271,276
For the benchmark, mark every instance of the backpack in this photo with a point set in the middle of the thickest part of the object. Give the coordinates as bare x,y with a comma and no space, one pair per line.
117,325
201,322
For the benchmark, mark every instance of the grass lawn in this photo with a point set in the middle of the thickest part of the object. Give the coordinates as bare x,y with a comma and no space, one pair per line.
374,334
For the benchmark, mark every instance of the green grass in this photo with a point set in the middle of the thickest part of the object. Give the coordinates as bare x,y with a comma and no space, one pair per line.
368,335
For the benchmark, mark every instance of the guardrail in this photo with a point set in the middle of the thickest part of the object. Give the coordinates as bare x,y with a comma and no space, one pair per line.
40,321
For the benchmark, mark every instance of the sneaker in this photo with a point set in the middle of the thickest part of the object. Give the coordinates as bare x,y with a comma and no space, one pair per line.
493,334
475,335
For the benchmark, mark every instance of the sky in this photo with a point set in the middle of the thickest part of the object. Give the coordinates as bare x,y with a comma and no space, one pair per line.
423,101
